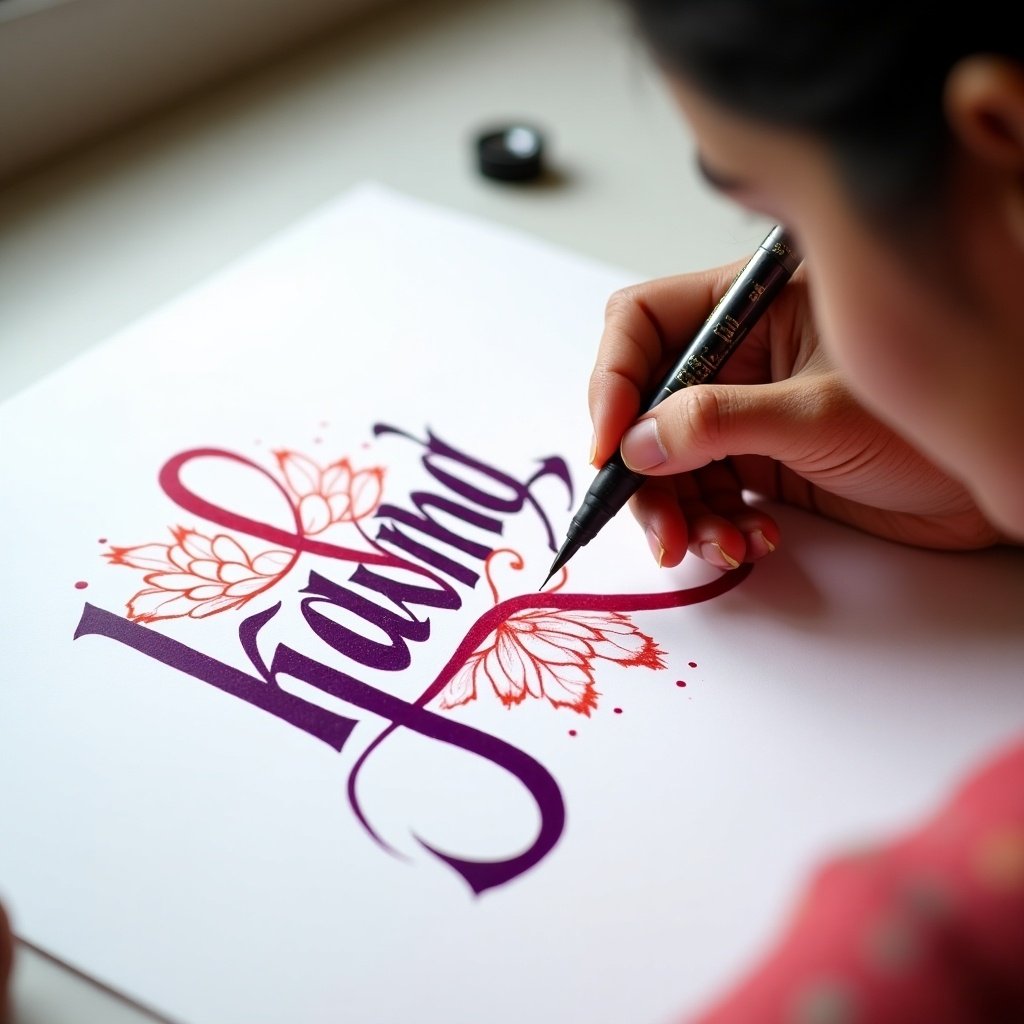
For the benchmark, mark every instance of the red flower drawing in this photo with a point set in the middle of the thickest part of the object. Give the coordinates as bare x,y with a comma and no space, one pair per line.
196,575
550,654
333,494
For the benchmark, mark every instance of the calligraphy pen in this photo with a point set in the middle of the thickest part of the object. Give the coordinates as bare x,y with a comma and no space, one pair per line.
751,293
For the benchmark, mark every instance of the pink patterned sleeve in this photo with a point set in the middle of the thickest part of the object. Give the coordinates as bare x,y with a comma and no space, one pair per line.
925,929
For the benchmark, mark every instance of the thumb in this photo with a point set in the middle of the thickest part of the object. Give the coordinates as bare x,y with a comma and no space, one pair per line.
701,424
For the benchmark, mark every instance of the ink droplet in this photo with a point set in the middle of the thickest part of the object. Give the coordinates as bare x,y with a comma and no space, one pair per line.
617,711
572,732
102,540
692,664
680,682
81,585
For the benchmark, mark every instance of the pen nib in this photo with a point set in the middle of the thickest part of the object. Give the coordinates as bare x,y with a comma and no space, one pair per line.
566,552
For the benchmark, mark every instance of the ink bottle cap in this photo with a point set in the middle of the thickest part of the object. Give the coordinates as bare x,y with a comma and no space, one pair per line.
511,152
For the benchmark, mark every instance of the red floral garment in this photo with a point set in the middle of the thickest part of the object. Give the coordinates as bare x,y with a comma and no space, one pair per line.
926,929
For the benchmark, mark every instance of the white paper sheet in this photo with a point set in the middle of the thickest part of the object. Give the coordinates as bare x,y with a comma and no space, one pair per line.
277,804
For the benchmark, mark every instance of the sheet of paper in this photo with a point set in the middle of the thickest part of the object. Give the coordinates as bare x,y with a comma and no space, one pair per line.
288,732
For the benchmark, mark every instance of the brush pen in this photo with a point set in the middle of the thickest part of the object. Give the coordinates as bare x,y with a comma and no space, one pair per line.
744,303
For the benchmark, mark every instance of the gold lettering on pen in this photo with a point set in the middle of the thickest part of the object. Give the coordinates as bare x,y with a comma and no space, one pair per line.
727,327
695,370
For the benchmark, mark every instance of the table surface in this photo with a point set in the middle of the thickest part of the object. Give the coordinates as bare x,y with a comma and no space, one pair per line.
93,242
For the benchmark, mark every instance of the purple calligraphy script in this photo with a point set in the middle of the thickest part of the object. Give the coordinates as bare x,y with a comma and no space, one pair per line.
204,574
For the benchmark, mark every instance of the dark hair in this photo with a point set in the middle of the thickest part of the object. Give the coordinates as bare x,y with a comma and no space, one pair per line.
865,78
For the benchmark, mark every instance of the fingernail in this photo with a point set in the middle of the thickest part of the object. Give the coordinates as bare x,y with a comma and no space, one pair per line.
758,544
641,447
657,548
713,554
593,449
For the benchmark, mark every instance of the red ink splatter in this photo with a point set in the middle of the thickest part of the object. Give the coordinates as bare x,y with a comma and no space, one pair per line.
572,732
692,664
617,711
102,540
680,682
81,585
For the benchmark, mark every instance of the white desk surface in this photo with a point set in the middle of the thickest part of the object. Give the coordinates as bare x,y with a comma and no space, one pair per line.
91,243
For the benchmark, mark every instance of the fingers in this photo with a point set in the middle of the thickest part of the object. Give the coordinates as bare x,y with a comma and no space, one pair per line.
645,326
699,425
693,500
703,513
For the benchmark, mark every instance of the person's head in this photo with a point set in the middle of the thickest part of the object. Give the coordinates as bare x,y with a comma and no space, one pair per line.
889,138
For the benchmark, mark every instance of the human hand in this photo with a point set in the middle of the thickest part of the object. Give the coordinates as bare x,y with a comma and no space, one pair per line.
779,422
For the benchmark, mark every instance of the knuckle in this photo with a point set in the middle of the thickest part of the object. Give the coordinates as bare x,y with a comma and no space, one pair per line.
827,400
702,417
621,304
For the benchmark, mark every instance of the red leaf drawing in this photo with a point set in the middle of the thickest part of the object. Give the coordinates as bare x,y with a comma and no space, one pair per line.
197,575
333,494
549,654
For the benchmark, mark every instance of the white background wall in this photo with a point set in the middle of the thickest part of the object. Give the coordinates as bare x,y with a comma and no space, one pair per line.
74,69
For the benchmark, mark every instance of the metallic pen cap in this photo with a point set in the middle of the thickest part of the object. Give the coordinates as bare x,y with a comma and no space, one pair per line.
779,243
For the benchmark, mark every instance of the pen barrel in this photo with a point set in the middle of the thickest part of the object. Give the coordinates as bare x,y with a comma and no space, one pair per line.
740,308
613,486
742,305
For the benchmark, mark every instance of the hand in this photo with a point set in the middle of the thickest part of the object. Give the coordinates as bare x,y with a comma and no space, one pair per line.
778,422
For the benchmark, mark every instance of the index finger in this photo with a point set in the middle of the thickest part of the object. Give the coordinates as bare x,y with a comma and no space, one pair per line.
645,327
